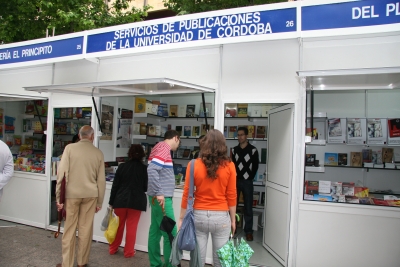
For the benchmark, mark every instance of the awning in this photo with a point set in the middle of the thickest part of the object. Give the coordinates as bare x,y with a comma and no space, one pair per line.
352,79
9,97
154,86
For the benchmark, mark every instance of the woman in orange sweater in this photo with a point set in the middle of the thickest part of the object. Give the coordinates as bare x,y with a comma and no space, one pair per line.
214,196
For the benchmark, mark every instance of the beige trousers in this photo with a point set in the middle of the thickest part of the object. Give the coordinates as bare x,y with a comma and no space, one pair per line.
80,215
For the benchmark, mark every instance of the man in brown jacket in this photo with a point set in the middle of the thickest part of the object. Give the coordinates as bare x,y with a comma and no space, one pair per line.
83,165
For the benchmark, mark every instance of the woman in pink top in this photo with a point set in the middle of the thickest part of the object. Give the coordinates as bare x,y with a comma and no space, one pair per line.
215,194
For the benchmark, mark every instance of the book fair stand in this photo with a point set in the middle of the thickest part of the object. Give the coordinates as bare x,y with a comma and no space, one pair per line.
317,83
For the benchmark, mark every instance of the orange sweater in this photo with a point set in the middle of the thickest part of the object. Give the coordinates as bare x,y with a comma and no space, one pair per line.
218,194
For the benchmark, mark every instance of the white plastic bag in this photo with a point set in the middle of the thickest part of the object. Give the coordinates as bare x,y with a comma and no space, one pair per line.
106,219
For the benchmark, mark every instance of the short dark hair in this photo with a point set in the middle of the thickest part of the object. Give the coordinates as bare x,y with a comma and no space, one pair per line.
136,152
171,134
244,129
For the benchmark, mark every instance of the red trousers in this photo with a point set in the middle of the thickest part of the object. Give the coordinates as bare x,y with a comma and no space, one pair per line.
131,218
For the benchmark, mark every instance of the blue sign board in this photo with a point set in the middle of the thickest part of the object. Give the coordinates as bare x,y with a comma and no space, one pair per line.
45,50
350,14
195,29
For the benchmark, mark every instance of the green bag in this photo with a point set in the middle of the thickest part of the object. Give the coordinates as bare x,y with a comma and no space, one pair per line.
235,256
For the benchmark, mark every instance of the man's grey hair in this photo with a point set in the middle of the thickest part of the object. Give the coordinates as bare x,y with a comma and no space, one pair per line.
86,132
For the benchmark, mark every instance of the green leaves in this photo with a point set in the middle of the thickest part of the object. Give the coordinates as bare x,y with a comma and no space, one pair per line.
21,20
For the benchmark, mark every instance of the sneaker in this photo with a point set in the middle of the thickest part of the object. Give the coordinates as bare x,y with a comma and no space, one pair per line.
249,237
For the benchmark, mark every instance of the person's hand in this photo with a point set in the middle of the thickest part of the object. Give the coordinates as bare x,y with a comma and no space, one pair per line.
161,201
179,224
97,209
233,227
59,206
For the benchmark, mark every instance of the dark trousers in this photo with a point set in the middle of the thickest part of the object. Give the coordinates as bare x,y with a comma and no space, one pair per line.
246,187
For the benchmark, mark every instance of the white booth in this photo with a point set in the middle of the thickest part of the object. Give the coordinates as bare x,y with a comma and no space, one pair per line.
308,63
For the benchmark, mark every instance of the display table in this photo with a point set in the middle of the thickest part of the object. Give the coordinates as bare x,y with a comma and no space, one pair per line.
143,226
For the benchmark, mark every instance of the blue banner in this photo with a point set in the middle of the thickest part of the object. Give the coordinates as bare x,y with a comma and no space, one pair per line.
350,14
45,50
215,27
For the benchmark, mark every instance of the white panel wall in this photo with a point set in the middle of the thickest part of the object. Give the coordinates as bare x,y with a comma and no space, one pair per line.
199,66
75,72
331,239
351,52
13,81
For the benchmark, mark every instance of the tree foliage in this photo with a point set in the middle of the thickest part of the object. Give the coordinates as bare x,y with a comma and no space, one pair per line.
197,6
22,20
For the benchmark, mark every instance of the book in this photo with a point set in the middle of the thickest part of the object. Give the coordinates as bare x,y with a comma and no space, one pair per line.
136,129
149,107
252,131
387,154
143,128
163,130
263,155
145,147
226,131
190,111
179,153
255,110
208,110
336,188
186,153
322,198
360,191
313,133
348,189
126,114
261,132
342,159
196,131
158,130
366,155
179,130
310,159
232,131
242,109
173,110
374,127
163,110
230,110
204,129
187,131
394,127
324,187
331,159
154,109
151,130
181,111
311,187
334,127
354,128
86,112
265,110
355,159
140,105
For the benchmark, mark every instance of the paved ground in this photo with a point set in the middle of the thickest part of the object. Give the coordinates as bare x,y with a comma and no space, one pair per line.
25,246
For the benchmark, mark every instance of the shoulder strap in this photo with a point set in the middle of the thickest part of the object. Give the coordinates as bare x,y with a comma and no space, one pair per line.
191,186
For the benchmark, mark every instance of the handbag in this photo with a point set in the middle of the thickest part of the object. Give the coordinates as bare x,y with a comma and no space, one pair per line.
106,219
187,235
112,228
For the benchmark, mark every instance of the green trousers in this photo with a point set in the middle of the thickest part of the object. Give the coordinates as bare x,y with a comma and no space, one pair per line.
155,233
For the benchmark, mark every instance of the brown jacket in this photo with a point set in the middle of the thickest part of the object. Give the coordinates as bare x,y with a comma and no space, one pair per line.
83,165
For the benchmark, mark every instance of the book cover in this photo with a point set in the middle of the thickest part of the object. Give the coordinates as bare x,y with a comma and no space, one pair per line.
186,153
230,110
158,130
226,131
354,128
126,114
342,159
251,129
387,154
324,187
63,113
196,131
232,132
179,129
323,198
87,112
181,111
265,110
151,130
348,189
261,131
204,129
313,133
149,107
311,187
173,110
164,129
310,159
263,155
242,109
361,191
163,110
154,109
143,128
255,110
334,127
136,129
374,127
352,199
187,131
140,105
394,127
356,159
179,153
336,188
208,110
190,111
331,159
366,155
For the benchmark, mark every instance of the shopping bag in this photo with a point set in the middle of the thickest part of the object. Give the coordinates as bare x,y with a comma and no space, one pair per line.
243,254
226,254
112,228
106,219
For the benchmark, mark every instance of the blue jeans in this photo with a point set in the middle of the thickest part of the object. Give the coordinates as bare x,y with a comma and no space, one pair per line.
246,187
216,223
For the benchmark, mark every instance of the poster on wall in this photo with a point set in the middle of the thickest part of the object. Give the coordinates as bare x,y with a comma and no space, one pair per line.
124,133
377,131
107,118
337,131
393,131
356,131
